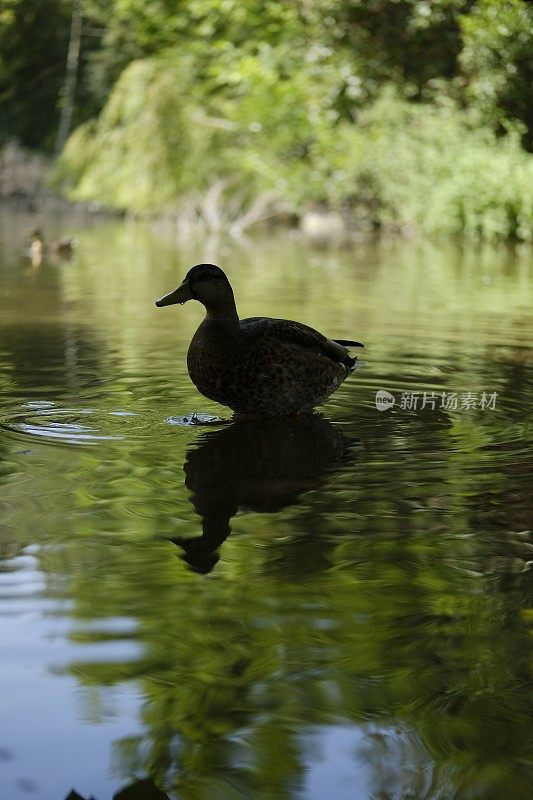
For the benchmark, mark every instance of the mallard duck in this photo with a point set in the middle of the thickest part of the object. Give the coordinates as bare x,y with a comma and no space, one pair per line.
63,247
260,365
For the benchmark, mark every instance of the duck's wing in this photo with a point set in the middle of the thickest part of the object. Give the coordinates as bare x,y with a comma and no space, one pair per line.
265,330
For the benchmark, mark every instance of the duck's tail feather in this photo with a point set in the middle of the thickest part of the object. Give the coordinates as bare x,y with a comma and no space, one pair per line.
357,364
348,343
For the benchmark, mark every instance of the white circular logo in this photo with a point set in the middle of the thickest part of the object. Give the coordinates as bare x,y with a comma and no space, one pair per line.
384,400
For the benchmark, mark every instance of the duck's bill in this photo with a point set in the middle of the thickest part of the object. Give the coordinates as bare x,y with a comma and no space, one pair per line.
179,295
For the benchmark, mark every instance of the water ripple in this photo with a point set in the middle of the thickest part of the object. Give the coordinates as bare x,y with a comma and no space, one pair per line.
47,421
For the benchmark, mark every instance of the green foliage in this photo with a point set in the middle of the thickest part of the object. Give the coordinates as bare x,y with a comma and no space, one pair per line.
33,42
413,43
421,39
497,58
155,140
427,166
141,152
433,167
206,29
290,101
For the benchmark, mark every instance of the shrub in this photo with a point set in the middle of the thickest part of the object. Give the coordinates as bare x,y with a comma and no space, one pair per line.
162,141
436,168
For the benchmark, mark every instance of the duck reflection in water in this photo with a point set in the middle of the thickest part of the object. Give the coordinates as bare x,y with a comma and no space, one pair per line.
261,465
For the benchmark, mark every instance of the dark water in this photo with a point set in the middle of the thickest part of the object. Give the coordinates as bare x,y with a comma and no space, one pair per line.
332,607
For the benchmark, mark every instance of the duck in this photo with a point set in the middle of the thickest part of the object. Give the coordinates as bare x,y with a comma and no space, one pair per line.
259,366
62,248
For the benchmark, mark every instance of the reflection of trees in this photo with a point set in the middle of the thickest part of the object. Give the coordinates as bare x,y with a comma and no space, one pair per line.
388,619
41,348
373,600
50,358
385,592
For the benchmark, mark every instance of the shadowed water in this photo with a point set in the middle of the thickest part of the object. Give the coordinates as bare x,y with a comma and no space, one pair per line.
337,605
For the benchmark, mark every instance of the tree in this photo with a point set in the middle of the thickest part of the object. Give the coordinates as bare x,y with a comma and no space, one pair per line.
33,46
497,59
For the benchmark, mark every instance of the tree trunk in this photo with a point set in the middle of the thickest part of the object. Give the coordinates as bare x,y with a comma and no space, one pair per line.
71,77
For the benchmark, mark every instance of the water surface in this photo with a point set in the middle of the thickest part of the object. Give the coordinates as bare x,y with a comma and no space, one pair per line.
335,606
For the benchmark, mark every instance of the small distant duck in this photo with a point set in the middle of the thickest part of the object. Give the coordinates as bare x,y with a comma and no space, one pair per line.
260,365
62,248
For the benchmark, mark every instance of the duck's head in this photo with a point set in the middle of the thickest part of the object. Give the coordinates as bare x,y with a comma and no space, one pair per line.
36,235
206,283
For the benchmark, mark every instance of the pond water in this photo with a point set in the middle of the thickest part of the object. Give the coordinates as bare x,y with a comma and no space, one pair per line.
335,606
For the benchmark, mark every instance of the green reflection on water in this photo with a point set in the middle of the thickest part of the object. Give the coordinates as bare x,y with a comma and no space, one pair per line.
353,568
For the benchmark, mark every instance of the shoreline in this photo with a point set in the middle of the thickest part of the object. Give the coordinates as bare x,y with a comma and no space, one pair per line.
26,179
